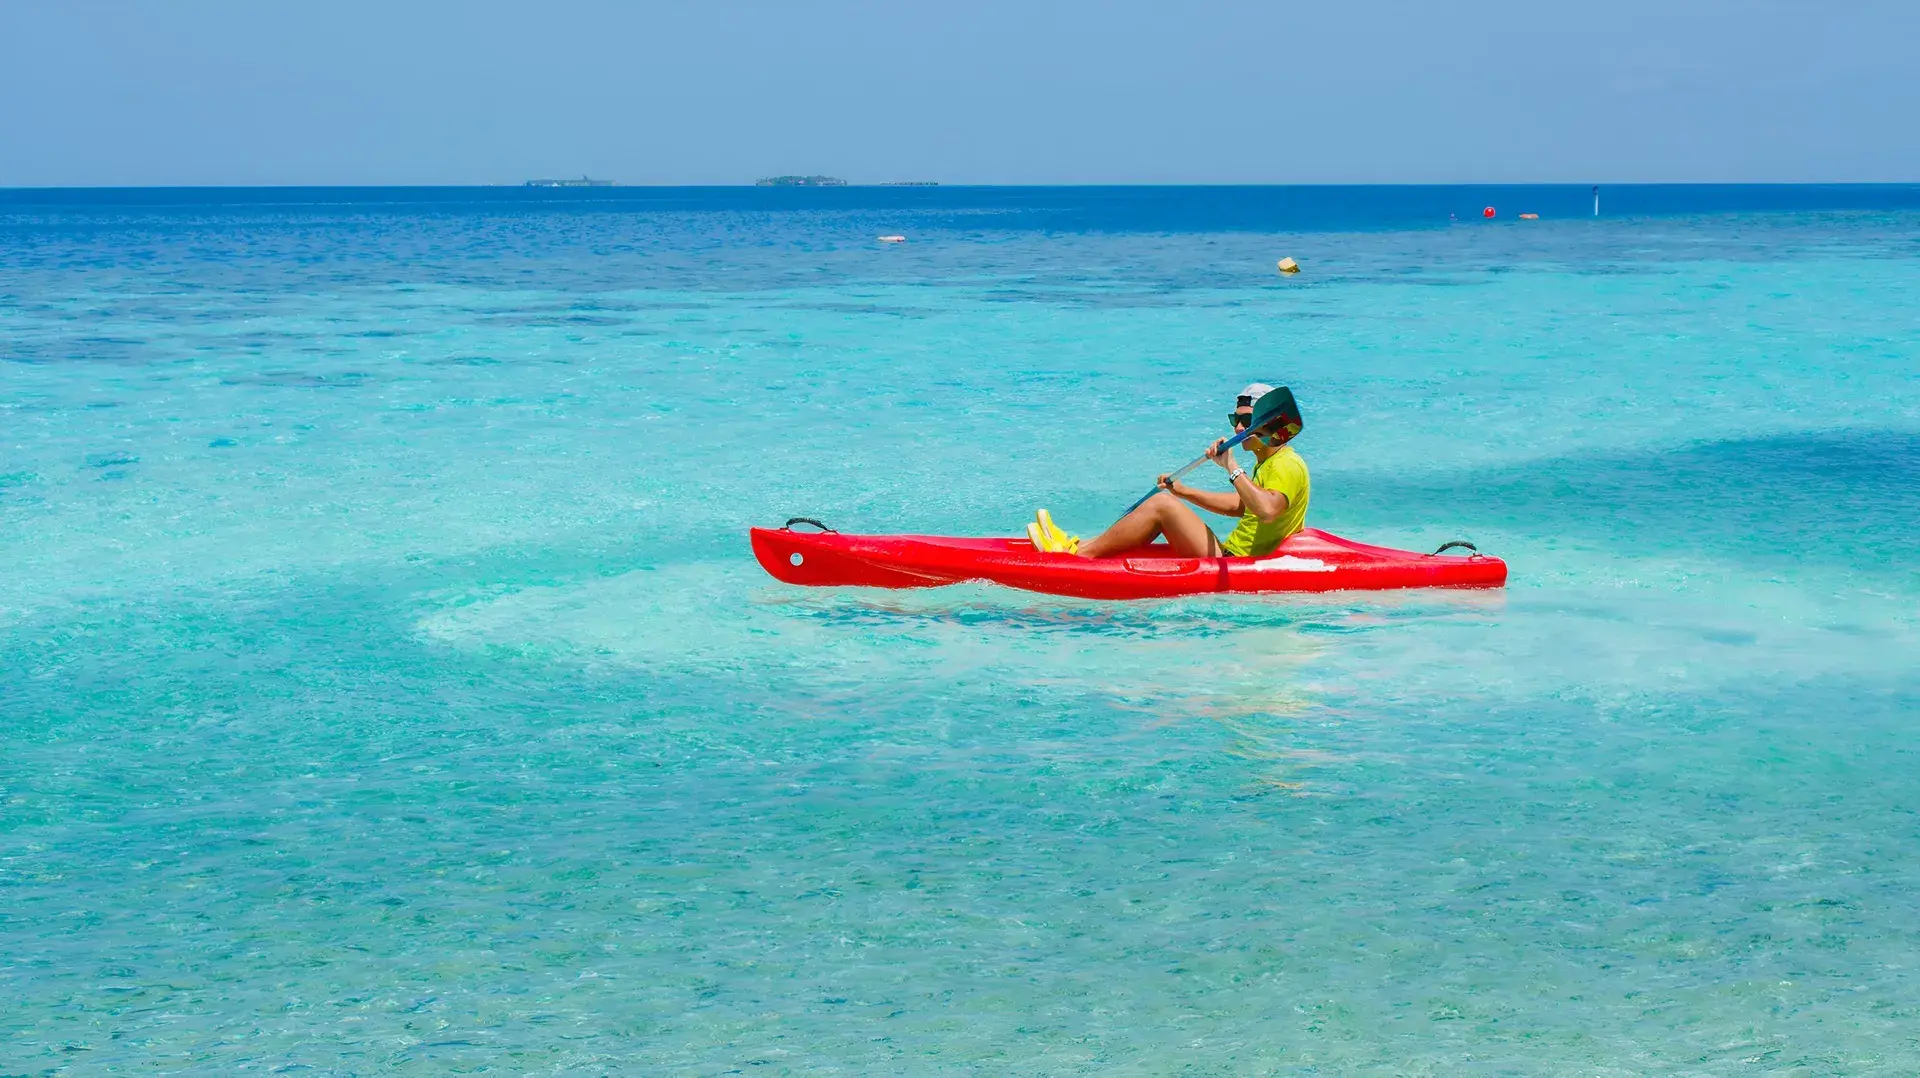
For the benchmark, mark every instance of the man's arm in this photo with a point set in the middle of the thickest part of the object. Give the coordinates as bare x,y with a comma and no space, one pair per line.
1267,505
1246,496
1224,502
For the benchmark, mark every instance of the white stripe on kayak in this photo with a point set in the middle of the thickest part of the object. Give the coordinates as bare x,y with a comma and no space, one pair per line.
1293,565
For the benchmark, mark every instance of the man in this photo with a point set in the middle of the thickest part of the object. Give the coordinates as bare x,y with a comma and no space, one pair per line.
1271,502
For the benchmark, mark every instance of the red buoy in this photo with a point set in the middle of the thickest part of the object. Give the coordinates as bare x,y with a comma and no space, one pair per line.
1488,212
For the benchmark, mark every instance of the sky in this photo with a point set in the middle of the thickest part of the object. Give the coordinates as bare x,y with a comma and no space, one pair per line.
164,92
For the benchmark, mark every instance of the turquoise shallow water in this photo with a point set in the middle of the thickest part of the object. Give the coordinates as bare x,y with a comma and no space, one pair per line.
386,684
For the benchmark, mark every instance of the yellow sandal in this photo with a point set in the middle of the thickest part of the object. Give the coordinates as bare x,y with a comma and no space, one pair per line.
1057,540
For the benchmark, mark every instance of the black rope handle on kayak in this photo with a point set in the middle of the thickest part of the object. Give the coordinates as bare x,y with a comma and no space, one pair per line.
1444,547
788,526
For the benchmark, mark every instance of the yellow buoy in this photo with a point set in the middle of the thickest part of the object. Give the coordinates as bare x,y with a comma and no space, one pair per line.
1288,265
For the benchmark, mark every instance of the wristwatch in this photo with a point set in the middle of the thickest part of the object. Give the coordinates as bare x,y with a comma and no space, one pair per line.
1236,475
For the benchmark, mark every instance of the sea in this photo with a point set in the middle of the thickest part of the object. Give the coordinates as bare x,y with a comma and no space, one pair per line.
387,685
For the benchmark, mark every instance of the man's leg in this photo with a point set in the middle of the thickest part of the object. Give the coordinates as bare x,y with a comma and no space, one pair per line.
1162,514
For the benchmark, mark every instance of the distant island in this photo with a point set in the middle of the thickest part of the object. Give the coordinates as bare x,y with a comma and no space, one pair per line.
581,182
800,181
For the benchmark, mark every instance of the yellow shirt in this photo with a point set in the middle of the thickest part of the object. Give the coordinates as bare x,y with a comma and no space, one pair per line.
1282,473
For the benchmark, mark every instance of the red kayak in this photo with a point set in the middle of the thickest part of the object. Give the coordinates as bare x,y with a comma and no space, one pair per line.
1309,560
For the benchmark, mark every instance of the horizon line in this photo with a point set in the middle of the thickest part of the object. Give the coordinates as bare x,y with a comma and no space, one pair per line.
934,185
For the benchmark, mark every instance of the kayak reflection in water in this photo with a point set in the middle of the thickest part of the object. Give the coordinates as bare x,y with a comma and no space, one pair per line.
1271,501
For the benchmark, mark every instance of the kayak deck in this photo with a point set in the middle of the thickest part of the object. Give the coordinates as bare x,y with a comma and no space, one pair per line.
1307,561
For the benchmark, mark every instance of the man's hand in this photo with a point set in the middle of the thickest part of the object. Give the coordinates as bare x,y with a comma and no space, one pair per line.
1221,455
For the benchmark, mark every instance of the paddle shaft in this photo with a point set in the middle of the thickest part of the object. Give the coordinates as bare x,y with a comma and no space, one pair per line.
1197,461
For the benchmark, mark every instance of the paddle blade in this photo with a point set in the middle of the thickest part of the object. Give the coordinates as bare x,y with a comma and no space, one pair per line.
1277,408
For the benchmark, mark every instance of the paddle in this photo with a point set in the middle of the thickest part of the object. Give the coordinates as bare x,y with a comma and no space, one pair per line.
1274,405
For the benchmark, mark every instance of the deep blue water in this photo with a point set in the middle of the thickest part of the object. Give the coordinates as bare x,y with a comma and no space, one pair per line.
1067,209
385,682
